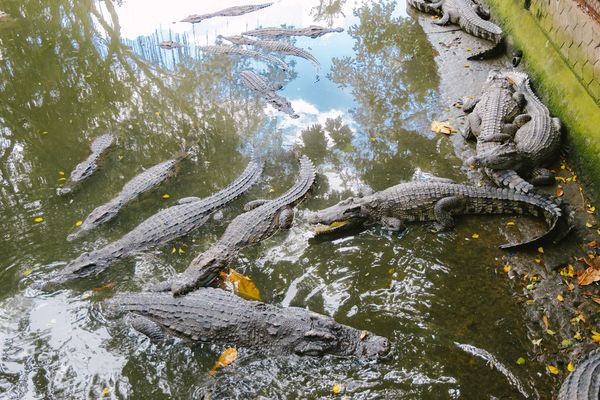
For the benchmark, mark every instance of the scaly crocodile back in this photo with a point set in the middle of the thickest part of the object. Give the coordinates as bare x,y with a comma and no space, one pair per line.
311,31
584,382
472,23
424,6
538,139
233,50
285,48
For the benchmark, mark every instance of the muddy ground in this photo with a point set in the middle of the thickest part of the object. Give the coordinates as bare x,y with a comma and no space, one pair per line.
561,314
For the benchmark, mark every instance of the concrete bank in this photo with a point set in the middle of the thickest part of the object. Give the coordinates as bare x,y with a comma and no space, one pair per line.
560,75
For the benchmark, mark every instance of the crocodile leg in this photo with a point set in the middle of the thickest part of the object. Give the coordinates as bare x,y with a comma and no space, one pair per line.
251,205
472,127
392,224
146,326
469,105
444,210
444,20
542,177
483,12
556,124
164,286
285,218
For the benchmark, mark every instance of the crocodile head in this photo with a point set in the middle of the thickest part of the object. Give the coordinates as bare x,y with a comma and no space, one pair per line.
505,156
342,216
84,265
326,336
97,217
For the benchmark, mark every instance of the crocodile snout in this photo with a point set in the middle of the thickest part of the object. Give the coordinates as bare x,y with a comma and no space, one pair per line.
374,347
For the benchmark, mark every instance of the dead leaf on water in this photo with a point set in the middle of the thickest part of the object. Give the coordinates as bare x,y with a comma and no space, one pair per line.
240,285
589,276
595,336
226,358
104,287
441,127
38,220
545,319
475,236
553,370
570,367
336,388
559,191
78,223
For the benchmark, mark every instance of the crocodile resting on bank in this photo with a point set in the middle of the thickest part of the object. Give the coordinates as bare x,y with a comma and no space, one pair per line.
86,168
470,16
537,142
584,382
170,223
264,219
493,119
213,315
139,184
438,200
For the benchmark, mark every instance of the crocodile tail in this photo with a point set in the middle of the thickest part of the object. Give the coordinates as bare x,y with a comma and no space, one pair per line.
554,215
489,53
422,5
509,178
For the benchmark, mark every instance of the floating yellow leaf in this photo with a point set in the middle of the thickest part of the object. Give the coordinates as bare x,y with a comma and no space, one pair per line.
62,179
550,332
181,251
578,318
475,236
560,297
373,139
364,334
531,286
536,342
467,66
510,223
537,260
240,284
591,209
553,369
566,343
595,336
441,127
567,271
38,220
507,268
104,287
541,250
166,196
78,223
105,391
520,361
570,367
589,225
468,49
173,250
27,272
336,388
61,173
157,114
226,358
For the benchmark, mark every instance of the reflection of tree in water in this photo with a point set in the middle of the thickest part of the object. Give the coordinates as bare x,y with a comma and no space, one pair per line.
65,77
328,10
391,73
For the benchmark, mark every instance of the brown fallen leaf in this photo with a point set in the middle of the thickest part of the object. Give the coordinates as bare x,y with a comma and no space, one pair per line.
559,191
441,127
226,358
589,276
104,287
593,244
545,319
240,284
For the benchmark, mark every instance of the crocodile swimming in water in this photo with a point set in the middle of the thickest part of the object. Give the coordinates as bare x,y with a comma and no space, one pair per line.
170,223
238,51
470,16
493,118
584,382
139,184
211,315
439,200
537,141
86,168
313,31
227,12
262,219
275,46
261,86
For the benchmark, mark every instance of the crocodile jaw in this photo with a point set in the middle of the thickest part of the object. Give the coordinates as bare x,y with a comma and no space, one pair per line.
338,217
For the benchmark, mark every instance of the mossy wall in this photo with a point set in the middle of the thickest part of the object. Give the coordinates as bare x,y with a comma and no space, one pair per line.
559,86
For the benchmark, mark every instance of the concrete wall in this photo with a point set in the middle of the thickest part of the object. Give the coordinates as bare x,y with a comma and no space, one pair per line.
573,29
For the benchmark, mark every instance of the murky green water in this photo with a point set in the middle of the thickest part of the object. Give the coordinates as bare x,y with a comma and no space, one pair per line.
72,69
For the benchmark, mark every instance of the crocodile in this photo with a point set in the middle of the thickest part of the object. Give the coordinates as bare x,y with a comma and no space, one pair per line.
537,141
261,86
169,45
584,382
438,200
211,315
470,16
227,12
493,118
313,31
139,184
170,223
86,168
278,47
238,51
262,219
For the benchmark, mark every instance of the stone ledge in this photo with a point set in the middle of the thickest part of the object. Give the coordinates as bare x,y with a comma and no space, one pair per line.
559,87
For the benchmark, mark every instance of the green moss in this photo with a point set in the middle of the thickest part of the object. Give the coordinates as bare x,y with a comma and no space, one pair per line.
556,82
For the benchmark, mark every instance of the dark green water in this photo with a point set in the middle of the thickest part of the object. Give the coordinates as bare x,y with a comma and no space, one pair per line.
71,70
